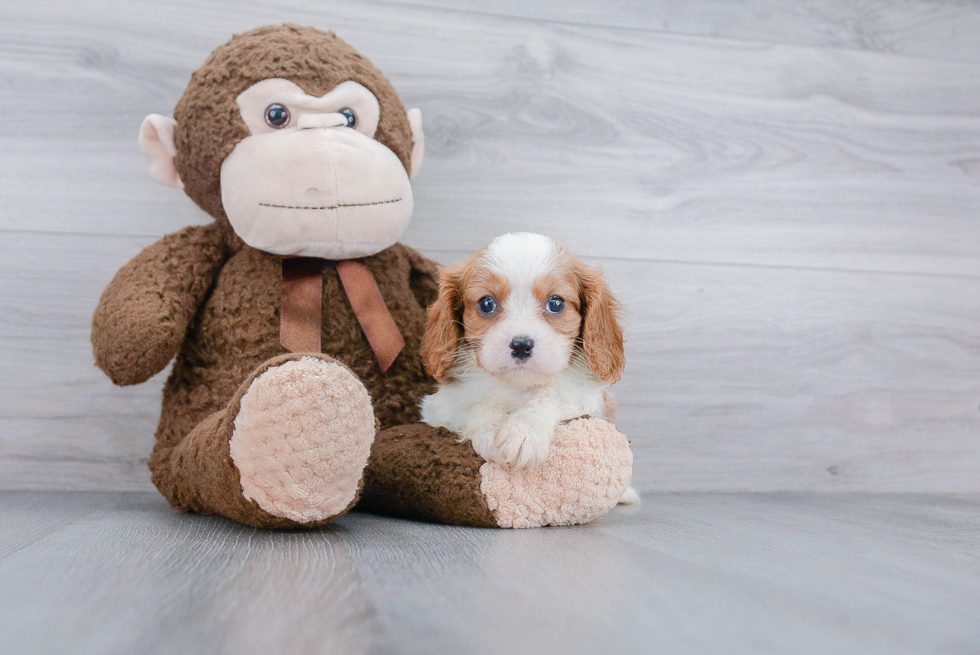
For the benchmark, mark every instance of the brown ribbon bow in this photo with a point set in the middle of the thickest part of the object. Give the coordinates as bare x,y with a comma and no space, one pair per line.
302,296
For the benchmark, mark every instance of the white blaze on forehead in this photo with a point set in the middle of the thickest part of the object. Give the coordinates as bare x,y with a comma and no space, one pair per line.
522,257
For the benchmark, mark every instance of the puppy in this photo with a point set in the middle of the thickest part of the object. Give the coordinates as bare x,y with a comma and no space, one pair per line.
522,337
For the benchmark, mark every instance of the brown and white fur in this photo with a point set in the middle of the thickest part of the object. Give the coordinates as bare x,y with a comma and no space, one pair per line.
509,376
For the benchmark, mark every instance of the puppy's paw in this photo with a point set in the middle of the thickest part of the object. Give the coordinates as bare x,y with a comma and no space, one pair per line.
519,443
630,497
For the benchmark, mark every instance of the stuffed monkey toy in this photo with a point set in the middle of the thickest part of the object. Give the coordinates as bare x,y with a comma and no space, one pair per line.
295,318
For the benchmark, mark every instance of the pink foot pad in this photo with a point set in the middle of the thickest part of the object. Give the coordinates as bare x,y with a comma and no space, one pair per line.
302,438
586,473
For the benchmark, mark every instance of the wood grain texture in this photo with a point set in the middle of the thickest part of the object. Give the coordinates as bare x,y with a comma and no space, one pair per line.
788,208
682,573
943,30
687,149
29,517
737,378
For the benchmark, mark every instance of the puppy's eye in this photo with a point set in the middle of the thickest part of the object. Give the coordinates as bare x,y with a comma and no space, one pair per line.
277,116
349,114
556,305
486,305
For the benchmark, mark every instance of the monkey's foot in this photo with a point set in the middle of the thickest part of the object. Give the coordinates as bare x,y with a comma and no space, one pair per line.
587,471
301,439
423,472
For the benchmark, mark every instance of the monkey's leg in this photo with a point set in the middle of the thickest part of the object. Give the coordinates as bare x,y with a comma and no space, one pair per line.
288,450
417,471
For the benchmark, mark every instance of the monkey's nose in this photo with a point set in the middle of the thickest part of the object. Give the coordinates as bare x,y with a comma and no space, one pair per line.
521,347
307,121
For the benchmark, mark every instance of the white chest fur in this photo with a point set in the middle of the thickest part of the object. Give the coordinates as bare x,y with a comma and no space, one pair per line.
476,401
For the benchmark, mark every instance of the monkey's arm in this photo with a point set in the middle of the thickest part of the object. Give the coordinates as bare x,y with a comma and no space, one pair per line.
143,314
425,277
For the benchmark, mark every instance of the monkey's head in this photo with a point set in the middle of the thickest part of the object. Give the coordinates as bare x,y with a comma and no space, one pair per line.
292,139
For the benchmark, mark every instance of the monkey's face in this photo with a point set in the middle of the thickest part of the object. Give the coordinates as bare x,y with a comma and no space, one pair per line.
310,180
316,165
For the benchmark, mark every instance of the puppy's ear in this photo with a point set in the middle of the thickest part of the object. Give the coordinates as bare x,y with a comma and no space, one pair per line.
602,335
443,331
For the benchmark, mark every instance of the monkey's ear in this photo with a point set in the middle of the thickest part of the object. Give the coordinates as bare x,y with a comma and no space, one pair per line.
157,145
418,139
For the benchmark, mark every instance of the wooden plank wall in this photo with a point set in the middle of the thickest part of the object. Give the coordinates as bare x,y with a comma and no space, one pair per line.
785,195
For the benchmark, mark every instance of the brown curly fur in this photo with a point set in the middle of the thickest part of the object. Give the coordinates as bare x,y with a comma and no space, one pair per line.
209,124
213,302
421,472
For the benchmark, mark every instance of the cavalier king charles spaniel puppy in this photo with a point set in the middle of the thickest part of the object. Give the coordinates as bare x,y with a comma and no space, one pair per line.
522,337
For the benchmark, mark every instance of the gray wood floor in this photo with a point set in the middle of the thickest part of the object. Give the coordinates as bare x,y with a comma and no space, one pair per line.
854,573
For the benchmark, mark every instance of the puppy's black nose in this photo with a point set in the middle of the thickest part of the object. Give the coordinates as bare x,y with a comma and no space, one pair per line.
521,347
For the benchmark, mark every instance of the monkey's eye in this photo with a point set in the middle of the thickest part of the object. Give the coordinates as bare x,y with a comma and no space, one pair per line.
556,305
486,305
277,116
349,114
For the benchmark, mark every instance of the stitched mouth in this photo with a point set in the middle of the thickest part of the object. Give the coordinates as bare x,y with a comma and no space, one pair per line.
349,204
